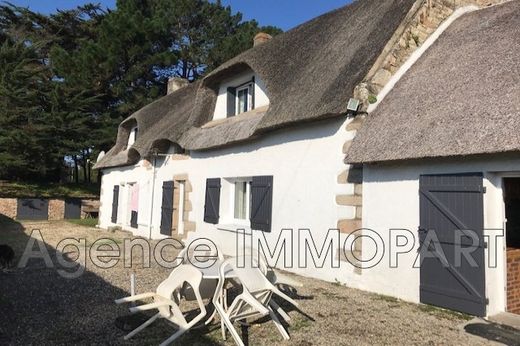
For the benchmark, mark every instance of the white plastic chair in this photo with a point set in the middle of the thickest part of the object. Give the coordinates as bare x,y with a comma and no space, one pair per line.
254,256
167,308
253,302
208,286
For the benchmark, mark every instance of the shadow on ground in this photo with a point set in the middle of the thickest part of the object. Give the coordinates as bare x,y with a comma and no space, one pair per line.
38,306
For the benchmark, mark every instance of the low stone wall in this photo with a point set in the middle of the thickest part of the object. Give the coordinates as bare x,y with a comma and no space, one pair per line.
513,281
8,207
56,211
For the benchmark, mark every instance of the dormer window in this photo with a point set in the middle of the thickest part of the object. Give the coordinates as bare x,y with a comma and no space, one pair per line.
241,99
240,94
133,136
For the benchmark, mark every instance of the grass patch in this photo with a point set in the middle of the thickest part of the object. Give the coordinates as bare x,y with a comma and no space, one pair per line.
443,313
105,241
47,190
387,299
84,222
299,324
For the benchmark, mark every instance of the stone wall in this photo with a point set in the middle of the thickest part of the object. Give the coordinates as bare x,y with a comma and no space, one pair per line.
352,179
56,209
513,281
423,19
8,207
189,226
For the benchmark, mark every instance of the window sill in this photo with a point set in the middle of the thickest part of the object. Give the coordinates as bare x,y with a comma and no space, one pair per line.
234,227
257,112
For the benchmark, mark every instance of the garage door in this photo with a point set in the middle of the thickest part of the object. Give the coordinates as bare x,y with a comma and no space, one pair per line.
449,203
32,209
72,208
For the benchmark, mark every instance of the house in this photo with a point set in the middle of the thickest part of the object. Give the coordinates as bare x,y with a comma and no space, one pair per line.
257,147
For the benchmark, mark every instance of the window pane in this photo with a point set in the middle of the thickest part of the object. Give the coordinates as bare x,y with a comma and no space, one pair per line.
240,200
242,100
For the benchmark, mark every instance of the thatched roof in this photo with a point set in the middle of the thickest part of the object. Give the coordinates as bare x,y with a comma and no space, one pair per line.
309,72
461,98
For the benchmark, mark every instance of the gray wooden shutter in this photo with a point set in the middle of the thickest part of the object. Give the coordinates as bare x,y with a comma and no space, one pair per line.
72,208
261,203
212,205
167,207
253,87
32,209
231,101
115,203
450,203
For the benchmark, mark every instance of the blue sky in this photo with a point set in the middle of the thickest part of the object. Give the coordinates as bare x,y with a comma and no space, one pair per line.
283,13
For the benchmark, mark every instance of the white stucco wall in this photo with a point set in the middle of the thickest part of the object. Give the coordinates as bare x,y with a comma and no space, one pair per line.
305,163
261,98
391,201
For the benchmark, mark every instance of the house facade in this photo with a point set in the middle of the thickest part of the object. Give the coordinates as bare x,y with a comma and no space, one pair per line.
256,149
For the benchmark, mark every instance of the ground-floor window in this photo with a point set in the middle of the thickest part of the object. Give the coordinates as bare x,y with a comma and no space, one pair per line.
240,201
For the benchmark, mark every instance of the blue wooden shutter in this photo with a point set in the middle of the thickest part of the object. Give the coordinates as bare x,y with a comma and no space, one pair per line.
261,203
231,101
212,205
167,207
115,203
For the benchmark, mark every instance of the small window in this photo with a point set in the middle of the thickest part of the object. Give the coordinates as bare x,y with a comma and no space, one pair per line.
133,136
244,99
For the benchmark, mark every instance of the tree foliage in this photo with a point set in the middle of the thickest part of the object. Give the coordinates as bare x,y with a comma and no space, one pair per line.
67,79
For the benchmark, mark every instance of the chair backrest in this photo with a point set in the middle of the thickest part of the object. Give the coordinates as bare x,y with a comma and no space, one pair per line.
187,256
180,275
253,255
249,274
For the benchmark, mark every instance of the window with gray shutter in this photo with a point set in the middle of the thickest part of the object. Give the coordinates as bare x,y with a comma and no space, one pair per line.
212,204
261,203
115,203
167,207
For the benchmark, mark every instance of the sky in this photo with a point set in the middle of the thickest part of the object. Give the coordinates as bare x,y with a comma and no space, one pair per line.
285,14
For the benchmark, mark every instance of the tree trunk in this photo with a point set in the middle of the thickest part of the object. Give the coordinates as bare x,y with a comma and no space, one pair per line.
84,167
89,172
76,169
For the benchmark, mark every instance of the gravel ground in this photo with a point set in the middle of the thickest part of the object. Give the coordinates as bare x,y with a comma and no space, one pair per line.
38,306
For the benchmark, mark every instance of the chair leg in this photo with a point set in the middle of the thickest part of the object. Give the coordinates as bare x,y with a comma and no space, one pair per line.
142,326
278,324
232,330
173,337
278,309
223,329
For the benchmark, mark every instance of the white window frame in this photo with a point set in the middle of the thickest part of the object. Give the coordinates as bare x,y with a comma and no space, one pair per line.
231,216
133,136
249,87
